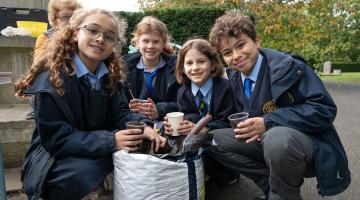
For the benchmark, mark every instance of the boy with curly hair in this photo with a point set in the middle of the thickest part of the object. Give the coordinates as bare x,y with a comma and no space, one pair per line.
289,134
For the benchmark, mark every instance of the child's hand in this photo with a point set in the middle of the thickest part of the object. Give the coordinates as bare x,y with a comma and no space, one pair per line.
185,127
128,139
250,129
153,136
136,105
149,109
167,126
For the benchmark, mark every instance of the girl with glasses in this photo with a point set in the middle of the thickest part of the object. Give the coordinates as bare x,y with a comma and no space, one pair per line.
79,112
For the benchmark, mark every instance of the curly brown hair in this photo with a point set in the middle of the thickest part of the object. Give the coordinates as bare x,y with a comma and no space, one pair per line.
57,58
232,24
204,47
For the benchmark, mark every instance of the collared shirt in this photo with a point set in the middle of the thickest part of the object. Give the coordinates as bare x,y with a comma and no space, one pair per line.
206,90
141,65
94,79
254,74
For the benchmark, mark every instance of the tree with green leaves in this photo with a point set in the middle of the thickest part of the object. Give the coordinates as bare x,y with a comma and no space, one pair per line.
149,5
319,30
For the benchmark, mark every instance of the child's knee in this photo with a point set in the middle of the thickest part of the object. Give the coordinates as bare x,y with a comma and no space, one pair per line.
281,143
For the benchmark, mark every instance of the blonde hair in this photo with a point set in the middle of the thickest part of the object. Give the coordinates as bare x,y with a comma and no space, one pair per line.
55,6
57,58
150,24
204,47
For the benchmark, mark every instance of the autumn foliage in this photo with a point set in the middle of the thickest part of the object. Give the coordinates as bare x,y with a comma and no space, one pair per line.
319,30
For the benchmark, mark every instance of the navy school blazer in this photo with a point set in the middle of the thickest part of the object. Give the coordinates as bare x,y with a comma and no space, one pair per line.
221,104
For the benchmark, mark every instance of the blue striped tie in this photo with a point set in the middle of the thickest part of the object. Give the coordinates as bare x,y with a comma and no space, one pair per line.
247,87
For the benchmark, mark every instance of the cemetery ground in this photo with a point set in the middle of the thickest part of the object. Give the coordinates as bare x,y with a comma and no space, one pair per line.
351,77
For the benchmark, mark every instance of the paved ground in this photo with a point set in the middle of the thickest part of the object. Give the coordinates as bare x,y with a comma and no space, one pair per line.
347,98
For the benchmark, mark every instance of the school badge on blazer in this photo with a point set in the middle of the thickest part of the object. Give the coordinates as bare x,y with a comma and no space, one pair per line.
269,106
284,100
291,97
287,99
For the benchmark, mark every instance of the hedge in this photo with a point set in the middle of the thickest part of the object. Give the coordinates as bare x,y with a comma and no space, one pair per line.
346,67
183,23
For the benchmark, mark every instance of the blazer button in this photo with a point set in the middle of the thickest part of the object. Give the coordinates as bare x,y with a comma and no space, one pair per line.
299,72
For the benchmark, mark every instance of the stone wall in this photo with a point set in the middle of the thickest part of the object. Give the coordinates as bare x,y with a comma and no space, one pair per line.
15,133
15,139
16,57
24,3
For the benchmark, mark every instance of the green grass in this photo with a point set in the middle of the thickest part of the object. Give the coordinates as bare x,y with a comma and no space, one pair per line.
352,77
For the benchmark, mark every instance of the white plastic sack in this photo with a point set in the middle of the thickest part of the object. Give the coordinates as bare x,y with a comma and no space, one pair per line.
11,31
145,177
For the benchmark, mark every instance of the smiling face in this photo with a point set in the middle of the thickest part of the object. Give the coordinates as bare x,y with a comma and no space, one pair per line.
240,53
150,45
93,50
197,66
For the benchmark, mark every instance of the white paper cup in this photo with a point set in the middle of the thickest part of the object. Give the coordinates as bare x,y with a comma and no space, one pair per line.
174,118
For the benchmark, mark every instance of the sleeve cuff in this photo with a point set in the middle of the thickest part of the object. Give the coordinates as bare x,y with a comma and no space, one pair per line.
161,112
110,140
268,123
148,122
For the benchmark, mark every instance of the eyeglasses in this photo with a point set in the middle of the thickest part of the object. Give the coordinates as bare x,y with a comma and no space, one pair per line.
94,33
64,17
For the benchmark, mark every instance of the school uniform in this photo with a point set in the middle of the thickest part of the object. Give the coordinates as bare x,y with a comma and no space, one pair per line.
73,141
300,138
219,102
163,88
218,97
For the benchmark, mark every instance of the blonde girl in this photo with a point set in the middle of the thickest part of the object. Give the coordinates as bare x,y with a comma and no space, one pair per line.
151,75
